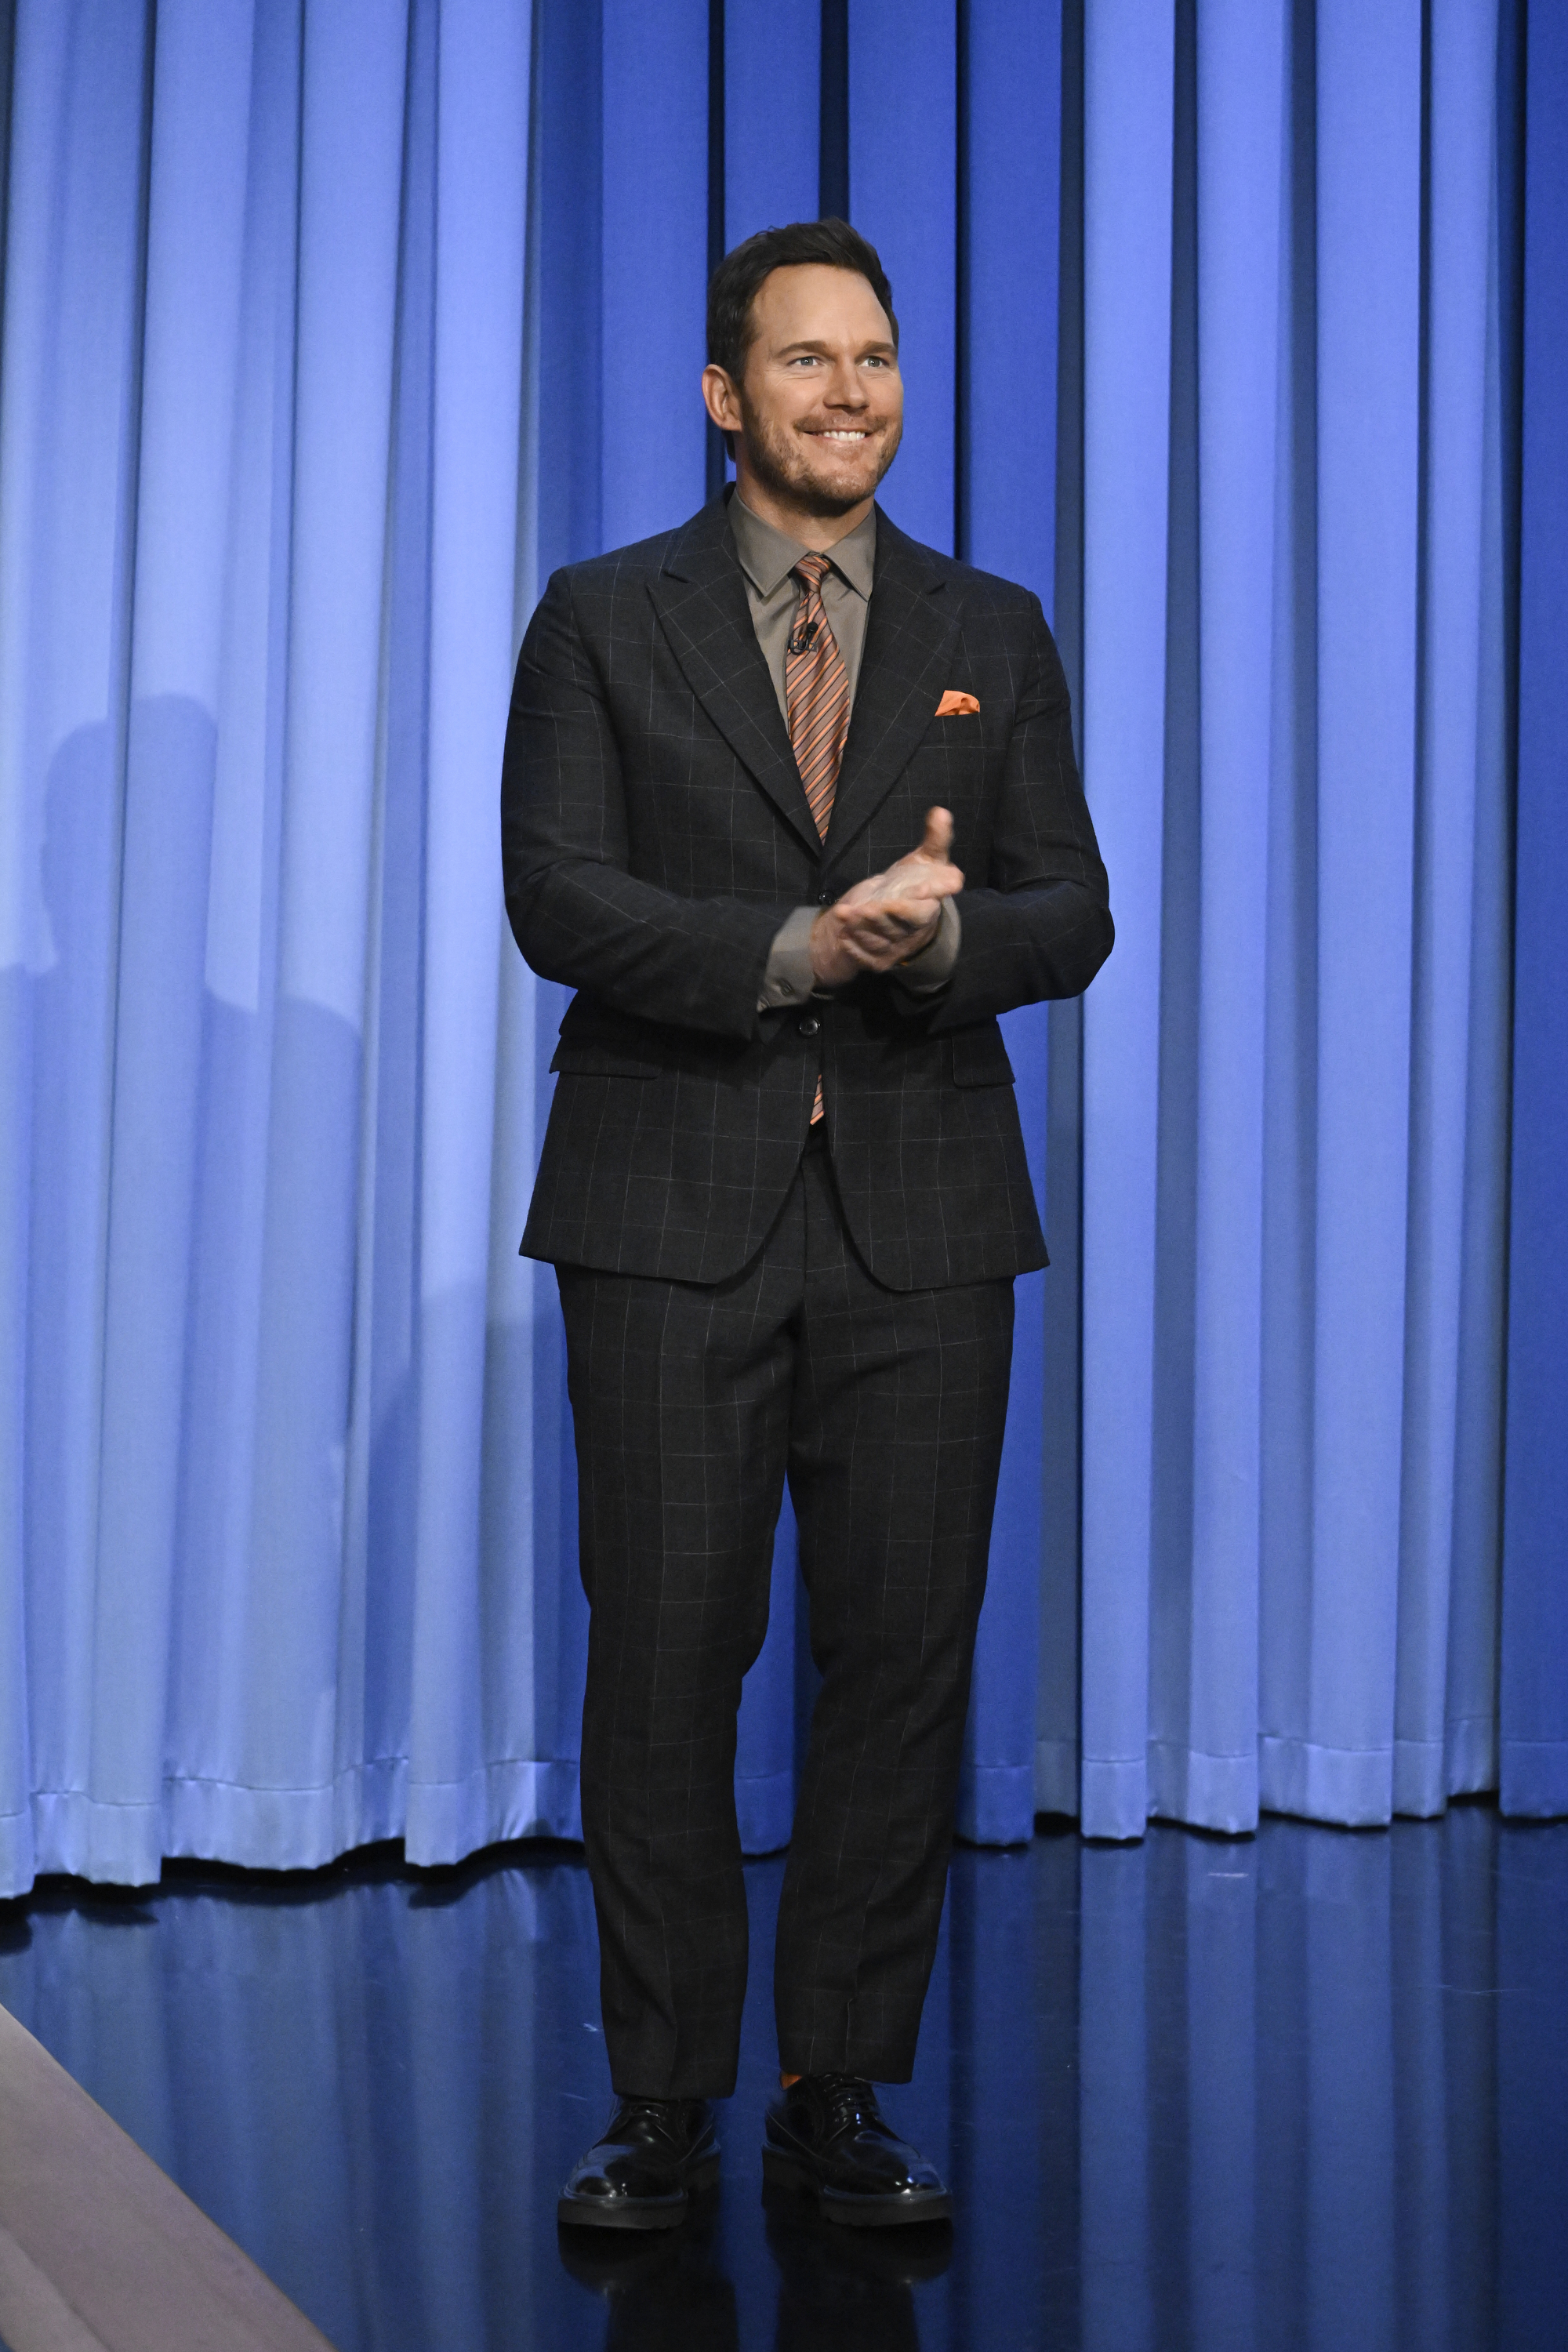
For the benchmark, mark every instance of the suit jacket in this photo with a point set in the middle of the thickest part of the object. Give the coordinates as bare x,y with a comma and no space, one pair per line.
656,835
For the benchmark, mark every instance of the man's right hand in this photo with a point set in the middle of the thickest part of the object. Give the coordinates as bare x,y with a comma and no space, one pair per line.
889,917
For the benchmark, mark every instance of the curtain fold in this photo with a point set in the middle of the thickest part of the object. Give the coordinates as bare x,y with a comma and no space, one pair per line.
1206,1729
1009,180
1295,450
1534,1772
1128,122
468,1639
67,449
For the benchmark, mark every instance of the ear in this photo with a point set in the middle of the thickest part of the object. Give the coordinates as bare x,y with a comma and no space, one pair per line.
721,399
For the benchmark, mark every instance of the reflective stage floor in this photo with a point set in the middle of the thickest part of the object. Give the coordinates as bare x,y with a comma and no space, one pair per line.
1306,2090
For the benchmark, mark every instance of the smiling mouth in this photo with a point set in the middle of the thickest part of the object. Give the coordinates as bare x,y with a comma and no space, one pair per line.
838,433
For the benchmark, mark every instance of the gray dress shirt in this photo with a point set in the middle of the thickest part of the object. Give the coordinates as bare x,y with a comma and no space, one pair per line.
767,561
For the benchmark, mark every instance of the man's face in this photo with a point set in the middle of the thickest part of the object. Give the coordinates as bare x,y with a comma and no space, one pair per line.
821,403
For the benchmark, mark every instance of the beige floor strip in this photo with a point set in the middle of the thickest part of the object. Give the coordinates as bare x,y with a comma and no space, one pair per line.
98,2250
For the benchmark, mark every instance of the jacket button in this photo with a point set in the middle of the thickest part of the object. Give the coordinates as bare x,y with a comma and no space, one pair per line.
808,1024
825,898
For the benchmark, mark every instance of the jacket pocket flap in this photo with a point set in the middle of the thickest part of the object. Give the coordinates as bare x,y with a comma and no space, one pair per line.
586,1061
979,1056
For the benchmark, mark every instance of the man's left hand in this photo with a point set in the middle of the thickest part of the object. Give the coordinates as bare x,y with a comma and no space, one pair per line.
889,917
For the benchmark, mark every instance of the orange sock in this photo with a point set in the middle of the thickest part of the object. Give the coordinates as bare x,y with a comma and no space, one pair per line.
785,2081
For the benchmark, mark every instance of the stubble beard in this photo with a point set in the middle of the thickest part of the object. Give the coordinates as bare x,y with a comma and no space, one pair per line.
777,461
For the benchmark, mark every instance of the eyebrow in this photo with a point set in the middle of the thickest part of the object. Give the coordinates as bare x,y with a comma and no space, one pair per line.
809,343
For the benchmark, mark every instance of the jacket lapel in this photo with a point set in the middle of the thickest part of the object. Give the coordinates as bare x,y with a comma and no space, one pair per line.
910,629
701,600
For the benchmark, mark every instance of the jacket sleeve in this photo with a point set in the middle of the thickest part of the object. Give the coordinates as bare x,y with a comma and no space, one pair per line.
1040,924
577,912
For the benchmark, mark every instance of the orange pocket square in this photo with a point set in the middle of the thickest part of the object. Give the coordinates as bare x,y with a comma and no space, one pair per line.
955,705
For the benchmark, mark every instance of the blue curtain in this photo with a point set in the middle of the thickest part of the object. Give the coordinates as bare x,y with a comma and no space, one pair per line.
1535,1592
1294,443
328,331
280,1442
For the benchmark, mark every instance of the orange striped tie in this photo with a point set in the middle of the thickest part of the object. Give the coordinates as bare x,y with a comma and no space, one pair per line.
817,696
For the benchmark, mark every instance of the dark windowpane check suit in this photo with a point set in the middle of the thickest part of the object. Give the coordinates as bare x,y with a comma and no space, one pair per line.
741,1304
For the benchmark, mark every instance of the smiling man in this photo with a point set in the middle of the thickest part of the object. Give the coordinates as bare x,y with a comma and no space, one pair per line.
790,802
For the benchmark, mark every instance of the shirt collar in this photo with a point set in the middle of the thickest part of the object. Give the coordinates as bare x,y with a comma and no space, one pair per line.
768,557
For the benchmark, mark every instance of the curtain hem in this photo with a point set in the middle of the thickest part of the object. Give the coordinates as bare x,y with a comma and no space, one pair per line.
18,1859
1055,1777
1535,1780
764,1808
997,1805
447,1820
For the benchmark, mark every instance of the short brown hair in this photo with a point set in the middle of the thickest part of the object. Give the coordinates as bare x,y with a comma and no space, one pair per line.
732,288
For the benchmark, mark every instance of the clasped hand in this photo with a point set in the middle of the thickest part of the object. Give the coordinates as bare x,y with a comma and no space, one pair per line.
889,917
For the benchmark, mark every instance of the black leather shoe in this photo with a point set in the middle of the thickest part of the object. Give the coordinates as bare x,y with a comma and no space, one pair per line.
655,2156
826,2136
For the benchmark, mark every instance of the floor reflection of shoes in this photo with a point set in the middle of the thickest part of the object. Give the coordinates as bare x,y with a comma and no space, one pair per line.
655,2156
906,2257
850,2290
664,2290
608,2262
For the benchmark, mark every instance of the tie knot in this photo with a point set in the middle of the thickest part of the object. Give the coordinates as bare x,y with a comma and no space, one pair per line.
812,570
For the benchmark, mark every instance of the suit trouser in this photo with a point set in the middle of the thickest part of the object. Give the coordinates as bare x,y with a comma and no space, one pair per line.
690,1403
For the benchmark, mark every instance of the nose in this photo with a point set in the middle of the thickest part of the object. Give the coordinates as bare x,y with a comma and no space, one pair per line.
845,388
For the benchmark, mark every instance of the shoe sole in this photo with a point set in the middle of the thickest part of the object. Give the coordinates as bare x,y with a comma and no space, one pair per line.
637,2212
782,2171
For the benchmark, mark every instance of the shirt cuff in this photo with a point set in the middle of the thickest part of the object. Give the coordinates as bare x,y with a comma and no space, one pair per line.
788,977
933,968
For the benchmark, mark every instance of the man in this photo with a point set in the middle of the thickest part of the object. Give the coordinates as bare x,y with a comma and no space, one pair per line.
785,1188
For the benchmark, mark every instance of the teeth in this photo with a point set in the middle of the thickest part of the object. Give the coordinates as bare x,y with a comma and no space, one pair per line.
842,437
